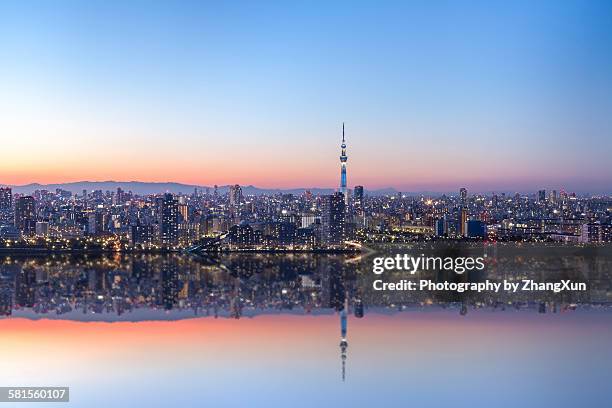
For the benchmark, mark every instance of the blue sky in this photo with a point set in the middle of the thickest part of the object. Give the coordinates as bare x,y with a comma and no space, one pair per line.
490,95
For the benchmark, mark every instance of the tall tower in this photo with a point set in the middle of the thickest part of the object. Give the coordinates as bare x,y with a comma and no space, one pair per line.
343,341
343,159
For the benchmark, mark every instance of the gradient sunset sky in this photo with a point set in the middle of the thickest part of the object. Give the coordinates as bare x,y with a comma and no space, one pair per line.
435,95
409,359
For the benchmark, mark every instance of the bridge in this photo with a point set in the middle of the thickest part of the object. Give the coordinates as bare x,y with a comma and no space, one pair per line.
207,244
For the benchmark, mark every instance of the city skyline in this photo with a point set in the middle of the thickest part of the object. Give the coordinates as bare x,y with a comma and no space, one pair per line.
158,188
506,97
263,204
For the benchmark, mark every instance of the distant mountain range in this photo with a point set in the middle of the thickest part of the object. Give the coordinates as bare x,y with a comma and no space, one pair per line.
144,188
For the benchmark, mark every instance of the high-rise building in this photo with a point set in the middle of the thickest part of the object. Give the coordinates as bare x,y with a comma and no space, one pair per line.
285,232
142,235
183,210
343,341
476,229
441,227
308,219
553,196
463,218
42,228
343,159
119,197
6,198
6,206
97,223
333,219
463,194
235,195
169,224
358,197
242,234
541,196
25,215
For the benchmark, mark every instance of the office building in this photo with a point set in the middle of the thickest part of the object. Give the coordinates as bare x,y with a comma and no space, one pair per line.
25,215
6,206
169,221
235,195
333,219
358,197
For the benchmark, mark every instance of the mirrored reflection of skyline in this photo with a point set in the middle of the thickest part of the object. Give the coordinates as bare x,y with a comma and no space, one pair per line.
279,323
171,286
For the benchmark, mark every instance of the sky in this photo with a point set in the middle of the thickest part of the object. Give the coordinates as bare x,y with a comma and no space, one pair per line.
490,95
424,359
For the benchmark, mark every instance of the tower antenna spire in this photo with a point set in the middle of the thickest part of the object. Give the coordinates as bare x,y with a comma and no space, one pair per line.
343,159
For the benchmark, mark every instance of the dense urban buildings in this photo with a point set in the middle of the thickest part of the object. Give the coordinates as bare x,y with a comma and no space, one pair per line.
246,284
123,220
228,219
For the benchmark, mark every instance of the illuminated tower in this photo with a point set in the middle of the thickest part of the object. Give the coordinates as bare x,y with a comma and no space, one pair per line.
343,159
343,341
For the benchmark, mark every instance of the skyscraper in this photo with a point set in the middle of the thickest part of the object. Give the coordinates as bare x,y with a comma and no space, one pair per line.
333,219
6,198
358,197
235,195
553,196
463,218
183,210
463,194
169,227
343,159
6,206
25,215
441,227
359,207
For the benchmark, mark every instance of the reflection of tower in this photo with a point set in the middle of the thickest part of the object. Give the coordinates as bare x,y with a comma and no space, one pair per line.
343,159
343,342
